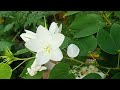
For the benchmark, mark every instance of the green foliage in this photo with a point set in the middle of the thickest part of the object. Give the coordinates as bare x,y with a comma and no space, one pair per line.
5,71
86,24
86,44
61,71
116,76
68,13
92,76
109,42
96,33
4,45
22,51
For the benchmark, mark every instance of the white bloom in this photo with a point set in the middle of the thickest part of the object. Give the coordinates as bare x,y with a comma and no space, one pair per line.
27,36
72,50
46,45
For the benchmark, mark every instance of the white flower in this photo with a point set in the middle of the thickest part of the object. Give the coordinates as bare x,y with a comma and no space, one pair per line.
27,36
46,45
72,50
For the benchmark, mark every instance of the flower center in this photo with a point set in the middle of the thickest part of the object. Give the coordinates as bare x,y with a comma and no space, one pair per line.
47,48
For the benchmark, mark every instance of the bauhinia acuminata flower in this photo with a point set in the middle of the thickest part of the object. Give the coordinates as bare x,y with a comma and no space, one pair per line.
45,43
73,50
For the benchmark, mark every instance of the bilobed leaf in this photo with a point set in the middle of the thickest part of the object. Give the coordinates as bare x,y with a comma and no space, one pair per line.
86,44
4,45
86,24
92,76
27,76
109,42
116,76
22,51
5,71
61,71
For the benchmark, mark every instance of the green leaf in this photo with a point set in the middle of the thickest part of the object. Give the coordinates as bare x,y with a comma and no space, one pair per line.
116,76
86,44
86,24
61,71
5,71
115,33
4,45
109,43
92,76
22,51
117,13
27,76
9,26
68,13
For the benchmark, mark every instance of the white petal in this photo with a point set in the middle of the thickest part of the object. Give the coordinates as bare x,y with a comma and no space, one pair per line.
57,40
53,27
72,50
42,68
27,36
36,67
43,34
50,65
56,55
31,72
42,58
40,27
34,44
30,33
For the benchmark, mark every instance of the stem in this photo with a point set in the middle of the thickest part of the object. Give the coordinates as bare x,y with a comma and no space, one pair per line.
109,14
107,72
18,65
15,36
97,65
45,22
105,17
25,59
92,56
74,60
54,18
118,61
